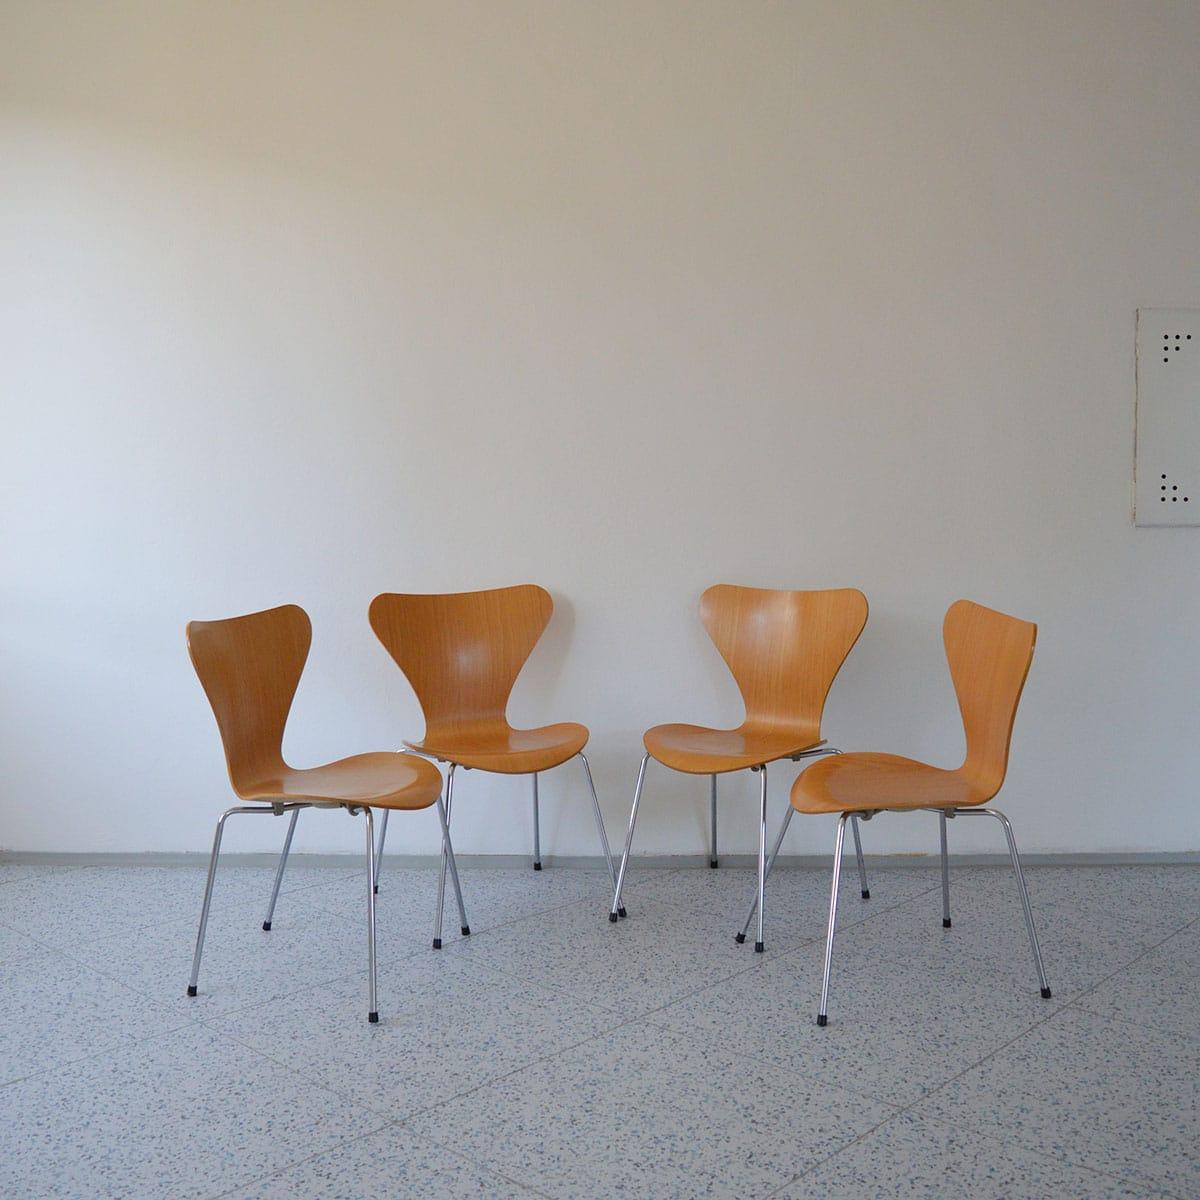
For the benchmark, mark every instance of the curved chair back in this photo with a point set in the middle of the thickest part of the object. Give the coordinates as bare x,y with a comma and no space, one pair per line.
250,667
989,655
784,649
462,652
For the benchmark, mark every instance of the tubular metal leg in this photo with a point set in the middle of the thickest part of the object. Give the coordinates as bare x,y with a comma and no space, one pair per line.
372,1004
1016,863
822,1013
444,819
618,909
608,858
862,866
762,854
945,872
787,820
537,829
712,843
382,838
283,857
208,887
441,893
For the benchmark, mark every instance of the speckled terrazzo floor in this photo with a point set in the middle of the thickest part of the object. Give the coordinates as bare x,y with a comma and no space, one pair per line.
553,1054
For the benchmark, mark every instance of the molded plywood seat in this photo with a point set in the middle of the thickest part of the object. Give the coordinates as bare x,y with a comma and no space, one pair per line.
784,650
989,655
250,668
507,751
870,782
462,653
381,780
695,750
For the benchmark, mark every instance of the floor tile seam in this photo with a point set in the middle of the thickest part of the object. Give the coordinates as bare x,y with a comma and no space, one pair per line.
1076,1000
724,978
348,1141
525,916
531,1062
539,1061
821,1078
486,1168
1158,1193
126,1045
155,997
872,912
1005,1137
78,964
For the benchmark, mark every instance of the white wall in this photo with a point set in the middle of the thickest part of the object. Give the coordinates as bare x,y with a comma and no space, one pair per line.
304,302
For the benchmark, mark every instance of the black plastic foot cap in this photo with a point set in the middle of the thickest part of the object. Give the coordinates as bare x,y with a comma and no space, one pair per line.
1045,993
612,917
866,893
191,989
758,947
437,943
945,922
822,1019
537,866
466,931
739,938
267,926
712,862
373,1017
622,913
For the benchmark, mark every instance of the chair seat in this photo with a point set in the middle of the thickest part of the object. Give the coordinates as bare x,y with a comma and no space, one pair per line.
381,780
700,751
505,750
868,782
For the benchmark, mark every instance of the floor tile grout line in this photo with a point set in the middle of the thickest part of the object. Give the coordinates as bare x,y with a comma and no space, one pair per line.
633,1020
1059,1009
1075,1003
393,1123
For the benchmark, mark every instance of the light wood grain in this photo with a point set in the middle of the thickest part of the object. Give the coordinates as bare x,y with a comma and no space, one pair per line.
462,653
784,650
249,668
989,655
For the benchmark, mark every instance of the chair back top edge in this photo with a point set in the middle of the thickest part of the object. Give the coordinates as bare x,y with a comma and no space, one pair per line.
989,654
461,652
250,667
783,648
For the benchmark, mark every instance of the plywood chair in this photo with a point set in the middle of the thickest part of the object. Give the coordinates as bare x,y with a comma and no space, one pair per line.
462,653
784,650
250,667
989,656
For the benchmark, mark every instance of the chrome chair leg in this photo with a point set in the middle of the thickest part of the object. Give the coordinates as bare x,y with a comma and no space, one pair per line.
283,857
945,872
618,909
212,874
712,842
822,1013
762,854
372,1003
441,892
1016,864
448,851
383,822
862,866
537,831
783,828
608,858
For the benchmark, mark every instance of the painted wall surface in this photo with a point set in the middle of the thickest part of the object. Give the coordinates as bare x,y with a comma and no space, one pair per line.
303,302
